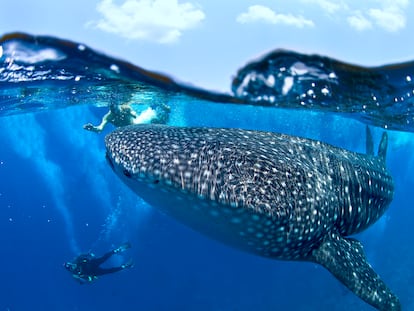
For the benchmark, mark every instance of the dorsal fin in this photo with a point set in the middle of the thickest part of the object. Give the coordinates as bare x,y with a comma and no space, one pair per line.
345,259
369,142
382,148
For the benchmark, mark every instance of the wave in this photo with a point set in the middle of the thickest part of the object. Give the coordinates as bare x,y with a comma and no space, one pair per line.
41,72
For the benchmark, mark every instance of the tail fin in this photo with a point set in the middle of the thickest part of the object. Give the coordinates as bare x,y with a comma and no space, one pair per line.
369,142
382,148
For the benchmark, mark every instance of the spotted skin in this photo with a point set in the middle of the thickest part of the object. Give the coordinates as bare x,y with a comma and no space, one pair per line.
274,195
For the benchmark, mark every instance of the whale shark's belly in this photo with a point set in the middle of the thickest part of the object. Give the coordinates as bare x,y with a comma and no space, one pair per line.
289,234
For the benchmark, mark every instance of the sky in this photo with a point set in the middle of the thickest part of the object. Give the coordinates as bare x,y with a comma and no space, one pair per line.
204,42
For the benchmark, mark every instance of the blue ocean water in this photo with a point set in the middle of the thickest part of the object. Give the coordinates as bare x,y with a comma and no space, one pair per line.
58,196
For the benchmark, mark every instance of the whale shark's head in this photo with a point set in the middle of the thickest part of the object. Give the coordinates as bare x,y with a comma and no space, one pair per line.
156,154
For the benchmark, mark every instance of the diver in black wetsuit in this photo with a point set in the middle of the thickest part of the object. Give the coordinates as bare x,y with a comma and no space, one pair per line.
86,267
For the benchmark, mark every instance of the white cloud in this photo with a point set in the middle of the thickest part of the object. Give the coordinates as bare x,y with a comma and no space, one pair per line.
161,21
359,22
388,15
394,3
330,7
391,19
260,13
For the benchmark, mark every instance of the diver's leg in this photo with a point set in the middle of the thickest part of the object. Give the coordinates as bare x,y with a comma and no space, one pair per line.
105,257
102,271
101,260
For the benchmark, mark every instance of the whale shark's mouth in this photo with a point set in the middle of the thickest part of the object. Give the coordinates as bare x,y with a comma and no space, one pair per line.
109,160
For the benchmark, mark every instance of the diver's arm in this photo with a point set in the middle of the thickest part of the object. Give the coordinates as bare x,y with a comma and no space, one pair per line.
99,127
105,121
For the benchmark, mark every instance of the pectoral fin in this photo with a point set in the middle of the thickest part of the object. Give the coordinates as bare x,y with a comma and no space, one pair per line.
345,259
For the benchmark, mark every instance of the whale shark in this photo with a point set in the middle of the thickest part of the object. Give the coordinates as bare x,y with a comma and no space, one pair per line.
274,195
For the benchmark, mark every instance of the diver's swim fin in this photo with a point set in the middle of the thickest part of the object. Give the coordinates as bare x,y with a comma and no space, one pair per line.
122,248
127,265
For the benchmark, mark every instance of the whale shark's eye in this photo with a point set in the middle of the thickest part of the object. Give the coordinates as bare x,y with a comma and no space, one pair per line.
156,181
127,173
